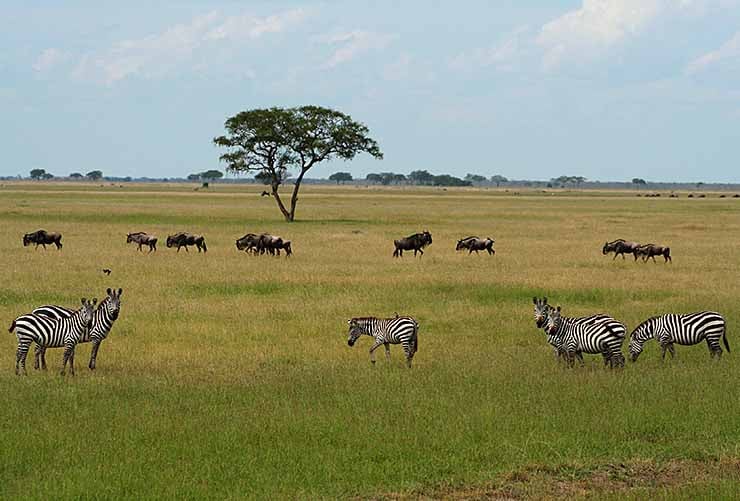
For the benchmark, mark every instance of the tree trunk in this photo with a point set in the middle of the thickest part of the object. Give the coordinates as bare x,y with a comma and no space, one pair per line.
294,197
276,196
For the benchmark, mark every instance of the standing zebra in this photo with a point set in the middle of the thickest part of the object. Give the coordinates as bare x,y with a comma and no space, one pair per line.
603,336
386,331
102,323
689,329
542,312
53,333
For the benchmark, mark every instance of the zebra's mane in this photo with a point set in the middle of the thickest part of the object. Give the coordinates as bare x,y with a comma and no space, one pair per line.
645,322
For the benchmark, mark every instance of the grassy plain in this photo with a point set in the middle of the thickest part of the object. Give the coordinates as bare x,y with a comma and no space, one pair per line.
229,375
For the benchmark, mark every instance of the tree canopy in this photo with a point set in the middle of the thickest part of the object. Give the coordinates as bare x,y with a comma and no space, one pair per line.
475,178
76,175
211,175
273,141
498,179
94,175
342,177
37,173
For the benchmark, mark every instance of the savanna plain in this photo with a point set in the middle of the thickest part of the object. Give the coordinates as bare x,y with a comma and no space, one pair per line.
229,375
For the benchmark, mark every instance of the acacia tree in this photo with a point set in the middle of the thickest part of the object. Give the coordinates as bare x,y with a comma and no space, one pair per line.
341,177
498,179
37,173
211,175
273,141
94,175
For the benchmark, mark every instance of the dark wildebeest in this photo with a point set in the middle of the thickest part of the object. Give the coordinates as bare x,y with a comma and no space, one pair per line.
648,251
476,244
620,246
248,243
42,237
415,242
142,238
185,240
273,244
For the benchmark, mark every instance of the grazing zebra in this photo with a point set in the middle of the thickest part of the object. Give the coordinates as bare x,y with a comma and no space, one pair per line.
102,323
603,336
542,314
52,333
386,331
689,329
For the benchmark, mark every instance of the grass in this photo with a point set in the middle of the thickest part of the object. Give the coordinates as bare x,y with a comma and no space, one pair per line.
229,375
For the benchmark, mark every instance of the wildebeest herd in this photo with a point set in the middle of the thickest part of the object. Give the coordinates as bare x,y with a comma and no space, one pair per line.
54,326
646,251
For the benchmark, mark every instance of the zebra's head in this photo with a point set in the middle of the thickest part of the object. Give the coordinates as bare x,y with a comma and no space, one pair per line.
87,310
26,240
356,329
606,249
642,333
112,304
541,311
553,320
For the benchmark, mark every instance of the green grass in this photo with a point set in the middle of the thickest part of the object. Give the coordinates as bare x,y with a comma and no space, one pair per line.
229,375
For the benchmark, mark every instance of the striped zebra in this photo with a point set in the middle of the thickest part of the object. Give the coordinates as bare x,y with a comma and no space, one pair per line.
689,329
542,314
102,323
602,335
53,333
386,331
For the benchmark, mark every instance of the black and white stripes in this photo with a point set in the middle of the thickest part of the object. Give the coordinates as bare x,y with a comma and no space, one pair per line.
102,323
601,335
52,333
689,329
386,331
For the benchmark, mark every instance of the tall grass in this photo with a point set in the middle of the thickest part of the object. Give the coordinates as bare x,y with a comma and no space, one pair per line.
230,375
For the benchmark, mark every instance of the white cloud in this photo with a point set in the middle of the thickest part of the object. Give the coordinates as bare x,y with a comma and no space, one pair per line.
728,53
356,42
156,55
49,59
503,56
597,25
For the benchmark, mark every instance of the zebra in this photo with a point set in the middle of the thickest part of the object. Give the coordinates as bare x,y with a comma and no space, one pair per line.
603,336
52,332
541,315
689,329
386,331
102,323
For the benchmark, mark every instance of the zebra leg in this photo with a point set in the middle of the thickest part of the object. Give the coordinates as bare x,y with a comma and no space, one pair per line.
388,351
37,357
663,347
374,347
20,358
94,355
68,357
580,358
43,359
672,350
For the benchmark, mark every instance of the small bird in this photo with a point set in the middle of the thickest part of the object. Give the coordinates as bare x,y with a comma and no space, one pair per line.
107,271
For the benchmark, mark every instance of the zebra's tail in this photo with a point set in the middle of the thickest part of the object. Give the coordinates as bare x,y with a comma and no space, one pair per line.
724,340
12,326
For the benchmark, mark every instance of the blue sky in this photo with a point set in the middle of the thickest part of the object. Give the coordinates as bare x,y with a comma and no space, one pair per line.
606,89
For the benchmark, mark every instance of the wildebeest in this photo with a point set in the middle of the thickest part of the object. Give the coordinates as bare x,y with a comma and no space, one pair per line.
273,244
42,237
476,244
142,238
648,251
185,240
415,242
620,246
248,243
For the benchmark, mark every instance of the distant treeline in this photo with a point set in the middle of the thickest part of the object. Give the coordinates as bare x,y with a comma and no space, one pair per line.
414,178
